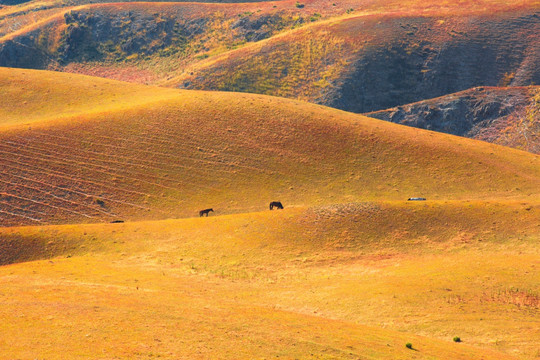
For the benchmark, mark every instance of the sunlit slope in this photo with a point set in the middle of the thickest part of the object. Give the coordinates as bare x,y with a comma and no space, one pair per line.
235,153
30,96
334,281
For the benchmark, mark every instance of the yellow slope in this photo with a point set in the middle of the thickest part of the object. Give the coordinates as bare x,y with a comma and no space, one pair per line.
148,153
321,282
29,96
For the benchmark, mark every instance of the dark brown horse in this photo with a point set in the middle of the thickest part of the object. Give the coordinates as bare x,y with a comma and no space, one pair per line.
276,204
205,211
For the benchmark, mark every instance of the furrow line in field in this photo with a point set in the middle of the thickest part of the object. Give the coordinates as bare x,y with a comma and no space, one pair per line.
51,195
61,189
42,203
122,166
100,186
22,209
53,173
176,158
88,166
169,157
19,215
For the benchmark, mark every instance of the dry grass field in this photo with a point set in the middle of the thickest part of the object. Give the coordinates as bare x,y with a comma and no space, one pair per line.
353,281
348,270
152,153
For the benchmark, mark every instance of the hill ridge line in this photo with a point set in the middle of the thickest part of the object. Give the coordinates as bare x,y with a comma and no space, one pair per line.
51,121
288,209
46,21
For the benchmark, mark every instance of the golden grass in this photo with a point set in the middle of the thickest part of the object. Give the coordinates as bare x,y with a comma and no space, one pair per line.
320,282
219,36
313,62
349,269
29,96
149,153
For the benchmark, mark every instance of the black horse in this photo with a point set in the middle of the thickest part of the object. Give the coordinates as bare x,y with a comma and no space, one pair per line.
205,211
276,204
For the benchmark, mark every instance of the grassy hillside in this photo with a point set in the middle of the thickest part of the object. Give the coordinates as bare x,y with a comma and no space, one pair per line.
502,115
349,269
341,281
154,42
150,39
371,62
178,152
356,57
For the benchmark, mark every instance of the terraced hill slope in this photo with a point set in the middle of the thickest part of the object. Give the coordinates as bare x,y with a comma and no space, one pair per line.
508,116
176,152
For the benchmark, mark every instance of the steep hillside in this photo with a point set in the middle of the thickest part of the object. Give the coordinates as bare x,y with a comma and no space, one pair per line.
507,116
344,281
182,151
148,40
373,62
154,42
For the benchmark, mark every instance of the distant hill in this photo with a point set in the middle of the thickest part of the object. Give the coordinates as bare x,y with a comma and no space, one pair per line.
401,51
508,116
373,62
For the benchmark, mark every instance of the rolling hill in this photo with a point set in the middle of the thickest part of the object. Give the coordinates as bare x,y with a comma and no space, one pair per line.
372,62
103,254
348,270
359,57
155,153
344,281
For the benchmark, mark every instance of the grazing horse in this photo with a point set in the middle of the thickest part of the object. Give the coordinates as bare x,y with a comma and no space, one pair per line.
205,211
276,204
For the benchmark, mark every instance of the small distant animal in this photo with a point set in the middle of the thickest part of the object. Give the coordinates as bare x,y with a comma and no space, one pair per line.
416,199
205,211
117,221
276,204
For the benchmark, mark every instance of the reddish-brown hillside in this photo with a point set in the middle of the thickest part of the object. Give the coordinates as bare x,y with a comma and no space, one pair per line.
504,115
373,62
